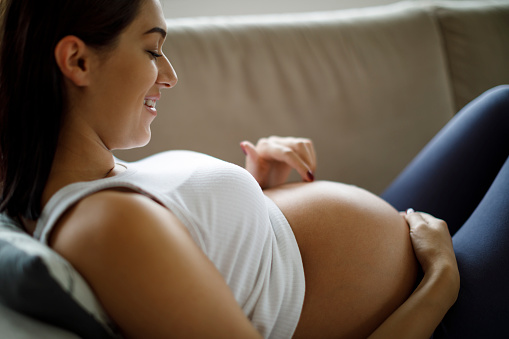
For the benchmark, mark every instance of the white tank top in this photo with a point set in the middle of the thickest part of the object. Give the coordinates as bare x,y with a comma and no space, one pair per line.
240,230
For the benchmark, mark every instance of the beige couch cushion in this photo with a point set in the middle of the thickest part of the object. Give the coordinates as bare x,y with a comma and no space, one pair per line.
476,38
368,86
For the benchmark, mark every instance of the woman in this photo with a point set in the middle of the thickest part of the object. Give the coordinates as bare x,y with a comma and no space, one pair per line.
181,241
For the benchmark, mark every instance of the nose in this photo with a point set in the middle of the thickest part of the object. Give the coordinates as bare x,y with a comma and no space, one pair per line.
166,78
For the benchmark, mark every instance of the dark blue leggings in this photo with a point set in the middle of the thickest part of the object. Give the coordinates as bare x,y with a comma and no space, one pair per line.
462,177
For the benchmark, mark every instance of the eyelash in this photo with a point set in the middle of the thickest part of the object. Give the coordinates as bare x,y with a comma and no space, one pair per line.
154,55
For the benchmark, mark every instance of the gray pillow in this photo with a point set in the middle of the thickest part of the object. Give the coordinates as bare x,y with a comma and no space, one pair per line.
14,325
36,281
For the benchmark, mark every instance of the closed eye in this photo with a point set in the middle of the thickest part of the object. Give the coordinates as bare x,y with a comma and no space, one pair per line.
154,55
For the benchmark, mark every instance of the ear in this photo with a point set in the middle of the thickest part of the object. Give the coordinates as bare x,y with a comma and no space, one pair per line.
73,58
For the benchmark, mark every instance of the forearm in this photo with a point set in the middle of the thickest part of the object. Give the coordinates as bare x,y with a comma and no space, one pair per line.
421,313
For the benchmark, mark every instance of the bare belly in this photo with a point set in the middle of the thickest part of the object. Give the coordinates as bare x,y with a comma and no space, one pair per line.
358,259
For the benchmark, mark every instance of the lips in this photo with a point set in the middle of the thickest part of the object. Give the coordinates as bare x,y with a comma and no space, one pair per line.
151,103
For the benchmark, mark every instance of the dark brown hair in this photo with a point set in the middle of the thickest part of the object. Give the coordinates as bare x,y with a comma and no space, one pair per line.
33,97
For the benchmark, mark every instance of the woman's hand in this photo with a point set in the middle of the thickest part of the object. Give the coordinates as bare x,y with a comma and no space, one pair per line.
422,312
273,158
432,243
433,248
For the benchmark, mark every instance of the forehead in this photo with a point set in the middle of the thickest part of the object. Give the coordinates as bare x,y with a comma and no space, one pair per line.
150,16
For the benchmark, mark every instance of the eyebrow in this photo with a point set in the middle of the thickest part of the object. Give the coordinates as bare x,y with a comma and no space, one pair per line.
156,30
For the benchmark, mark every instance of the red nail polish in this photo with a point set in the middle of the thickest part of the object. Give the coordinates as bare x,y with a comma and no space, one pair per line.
243,150
311,177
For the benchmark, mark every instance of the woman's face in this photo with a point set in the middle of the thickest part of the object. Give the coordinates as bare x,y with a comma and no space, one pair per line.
128,81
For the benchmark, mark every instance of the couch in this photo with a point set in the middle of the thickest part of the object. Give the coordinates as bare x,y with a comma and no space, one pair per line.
369,86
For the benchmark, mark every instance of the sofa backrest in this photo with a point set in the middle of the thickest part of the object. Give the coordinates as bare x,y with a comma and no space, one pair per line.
369,86
476,42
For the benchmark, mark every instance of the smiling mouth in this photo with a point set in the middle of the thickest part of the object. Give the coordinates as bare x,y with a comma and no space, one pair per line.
150,103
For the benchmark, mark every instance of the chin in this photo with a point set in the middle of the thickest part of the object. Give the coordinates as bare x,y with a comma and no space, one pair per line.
139,144
132,143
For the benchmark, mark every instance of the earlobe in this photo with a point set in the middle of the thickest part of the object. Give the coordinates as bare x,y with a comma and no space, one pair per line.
71,55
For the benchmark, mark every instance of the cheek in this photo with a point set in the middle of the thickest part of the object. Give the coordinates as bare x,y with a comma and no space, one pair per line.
140,76
145,75
137,83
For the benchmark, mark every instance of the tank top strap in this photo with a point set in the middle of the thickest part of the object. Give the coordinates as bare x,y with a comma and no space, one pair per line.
70,195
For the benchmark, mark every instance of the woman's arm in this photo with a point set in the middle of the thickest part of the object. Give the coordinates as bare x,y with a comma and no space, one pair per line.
421,313
147,271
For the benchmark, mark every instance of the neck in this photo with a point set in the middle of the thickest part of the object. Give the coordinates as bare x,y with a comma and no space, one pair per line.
79,157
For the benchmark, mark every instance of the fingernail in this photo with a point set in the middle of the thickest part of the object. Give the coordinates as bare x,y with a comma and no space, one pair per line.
243,150
410,211
311,177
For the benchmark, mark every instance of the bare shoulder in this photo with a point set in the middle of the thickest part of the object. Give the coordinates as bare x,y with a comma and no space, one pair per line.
141,262
106,208
106,215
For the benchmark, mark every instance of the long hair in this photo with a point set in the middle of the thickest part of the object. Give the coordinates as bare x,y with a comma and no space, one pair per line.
33,98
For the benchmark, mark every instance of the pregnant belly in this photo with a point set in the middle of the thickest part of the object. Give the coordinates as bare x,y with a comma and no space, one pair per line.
357,255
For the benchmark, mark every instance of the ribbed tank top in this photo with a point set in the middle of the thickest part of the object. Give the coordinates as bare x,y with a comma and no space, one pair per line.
240,230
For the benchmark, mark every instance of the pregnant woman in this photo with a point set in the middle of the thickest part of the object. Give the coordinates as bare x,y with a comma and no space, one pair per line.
182,244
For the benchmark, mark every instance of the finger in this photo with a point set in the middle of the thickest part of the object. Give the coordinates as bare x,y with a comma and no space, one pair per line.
249,150
252,159
300,164
304,157
413,215
243,147
431,219
437,224
279,151
414,219
418,220
307,151
312,155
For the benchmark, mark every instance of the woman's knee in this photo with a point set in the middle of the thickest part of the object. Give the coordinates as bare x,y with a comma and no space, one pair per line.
500,88
499,95
490,109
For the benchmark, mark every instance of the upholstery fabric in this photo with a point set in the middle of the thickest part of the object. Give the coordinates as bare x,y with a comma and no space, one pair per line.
366,85
476,39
